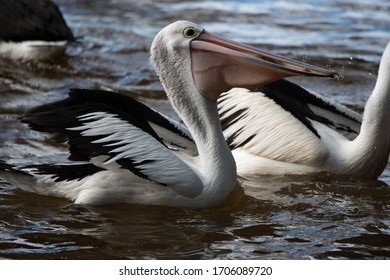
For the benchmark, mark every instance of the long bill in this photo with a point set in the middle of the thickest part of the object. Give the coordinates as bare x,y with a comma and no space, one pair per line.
219,64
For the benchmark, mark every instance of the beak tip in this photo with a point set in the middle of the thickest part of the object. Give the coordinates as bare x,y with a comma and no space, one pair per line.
333,74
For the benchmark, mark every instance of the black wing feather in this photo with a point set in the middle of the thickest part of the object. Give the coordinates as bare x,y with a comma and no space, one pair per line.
56,117
66,172
296,100
96,122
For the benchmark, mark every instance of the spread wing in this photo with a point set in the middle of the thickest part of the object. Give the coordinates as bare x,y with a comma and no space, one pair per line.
112,131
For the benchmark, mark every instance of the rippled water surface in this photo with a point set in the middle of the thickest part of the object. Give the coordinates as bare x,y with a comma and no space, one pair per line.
289,217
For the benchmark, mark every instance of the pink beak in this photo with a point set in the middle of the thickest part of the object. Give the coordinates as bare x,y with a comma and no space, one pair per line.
219,64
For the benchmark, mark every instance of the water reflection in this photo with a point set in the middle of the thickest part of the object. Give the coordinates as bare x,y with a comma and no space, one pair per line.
306,220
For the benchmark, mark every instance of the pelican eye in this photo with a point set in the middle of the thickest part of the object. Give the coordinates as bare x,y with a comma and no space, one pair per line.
190,32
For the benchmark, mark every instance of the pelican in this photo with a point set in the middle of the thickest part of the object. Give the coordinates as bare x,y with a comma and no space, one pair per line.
32,30
281,128
122,151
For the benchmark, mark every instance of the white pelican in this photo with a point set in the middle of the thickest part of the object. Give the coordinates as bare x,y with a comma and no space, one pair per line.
126,152
32,30
281,128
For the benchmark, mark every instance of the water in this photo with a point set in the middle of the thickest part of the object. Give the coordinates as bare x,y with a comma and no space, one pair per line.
293,217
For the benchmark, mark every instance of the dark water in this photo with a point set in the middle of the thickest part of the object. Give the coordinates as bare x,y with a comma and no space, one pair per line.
294,217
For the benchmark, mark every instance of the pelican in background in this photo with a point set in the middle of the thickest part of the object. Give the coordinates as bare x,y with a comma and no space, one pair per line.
122,151
281,128
32,30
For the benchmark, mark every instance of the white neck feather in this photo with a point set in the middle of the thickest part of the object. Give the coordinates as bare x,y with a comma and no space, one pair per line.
372,146
217,169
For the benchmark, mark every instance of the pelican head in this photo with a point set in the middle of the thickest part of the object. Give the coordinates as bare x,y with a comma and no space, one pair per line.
216,64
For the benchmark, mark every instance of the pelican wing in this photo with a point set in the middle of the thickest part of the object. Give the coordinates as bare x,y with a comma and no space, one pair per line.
23,20
279,120
310,106
114,131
